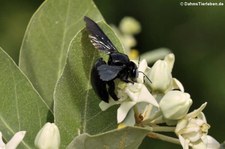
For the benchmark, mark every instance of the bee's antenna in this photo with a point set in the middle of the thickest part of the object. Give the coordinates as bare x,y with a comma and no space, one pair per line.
145,76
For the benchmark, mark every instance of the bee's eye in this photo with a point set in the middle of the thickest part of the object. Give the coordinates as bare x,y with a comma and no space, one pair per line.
133,73
136,73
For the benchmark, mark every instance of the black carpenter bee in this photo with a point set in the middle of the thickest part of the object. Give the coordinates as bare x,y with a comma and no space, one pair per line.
118,66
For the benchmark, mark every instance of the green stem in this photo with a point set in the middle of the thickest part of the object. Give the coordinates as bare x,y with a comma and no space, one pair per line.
163,129
163,138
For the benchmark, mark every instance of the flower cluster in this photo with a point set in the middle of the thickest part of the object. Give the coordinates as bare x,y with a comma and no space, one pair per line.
161,100
159,92
156,101
158,98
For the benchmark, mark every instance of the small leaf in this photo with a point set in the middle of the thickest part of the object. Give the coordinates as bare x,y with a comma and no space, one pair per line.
125,138
21,107
46,41
76,106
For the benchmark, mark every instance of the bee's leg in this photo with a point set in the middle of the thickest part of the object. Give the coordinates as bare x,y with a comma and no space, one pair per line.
111,90
125,79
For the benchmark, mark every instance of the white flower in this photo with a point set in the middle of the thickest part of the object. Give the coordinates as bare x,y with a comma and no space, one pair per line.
175,105
161,77
160,74
48,137
131,94
137,93
129,25
13,142
192,131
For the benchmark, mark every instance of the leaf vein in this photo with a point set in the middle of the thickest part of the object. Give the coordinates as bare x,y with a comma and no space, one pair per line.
63,39
16,99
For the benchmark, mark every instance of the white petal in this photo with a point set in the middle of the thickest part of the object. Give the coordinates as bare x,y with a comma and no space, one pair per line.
129,120
2,144
132,95
202,117
183,142
199,145
181,125
196,112
134,88
177,85
194,137
142,67
211,143
123,110
16,139
198,121
145,96
190,129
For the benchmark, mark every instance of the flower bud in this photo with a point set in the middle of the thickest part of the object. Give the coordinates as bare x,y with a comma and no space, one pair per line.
175,105
160,75
129,41
48,137
129,25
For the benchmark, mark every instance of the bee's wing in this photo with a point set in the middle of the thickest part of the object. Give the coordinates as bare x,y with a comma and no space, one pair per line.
108,72
98,37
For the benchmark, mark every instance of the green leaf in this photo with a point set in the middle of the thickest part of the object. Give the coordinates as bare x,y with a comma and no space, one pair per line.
126,138
47,38
76,105
21,107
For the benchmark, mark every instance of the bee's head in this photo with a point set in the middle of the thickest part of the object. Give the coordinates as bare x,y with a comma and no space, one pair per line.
133,73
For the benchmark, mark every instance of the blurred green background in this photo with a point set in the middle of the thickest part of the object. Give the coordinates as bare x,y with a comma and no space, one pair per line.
196,35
